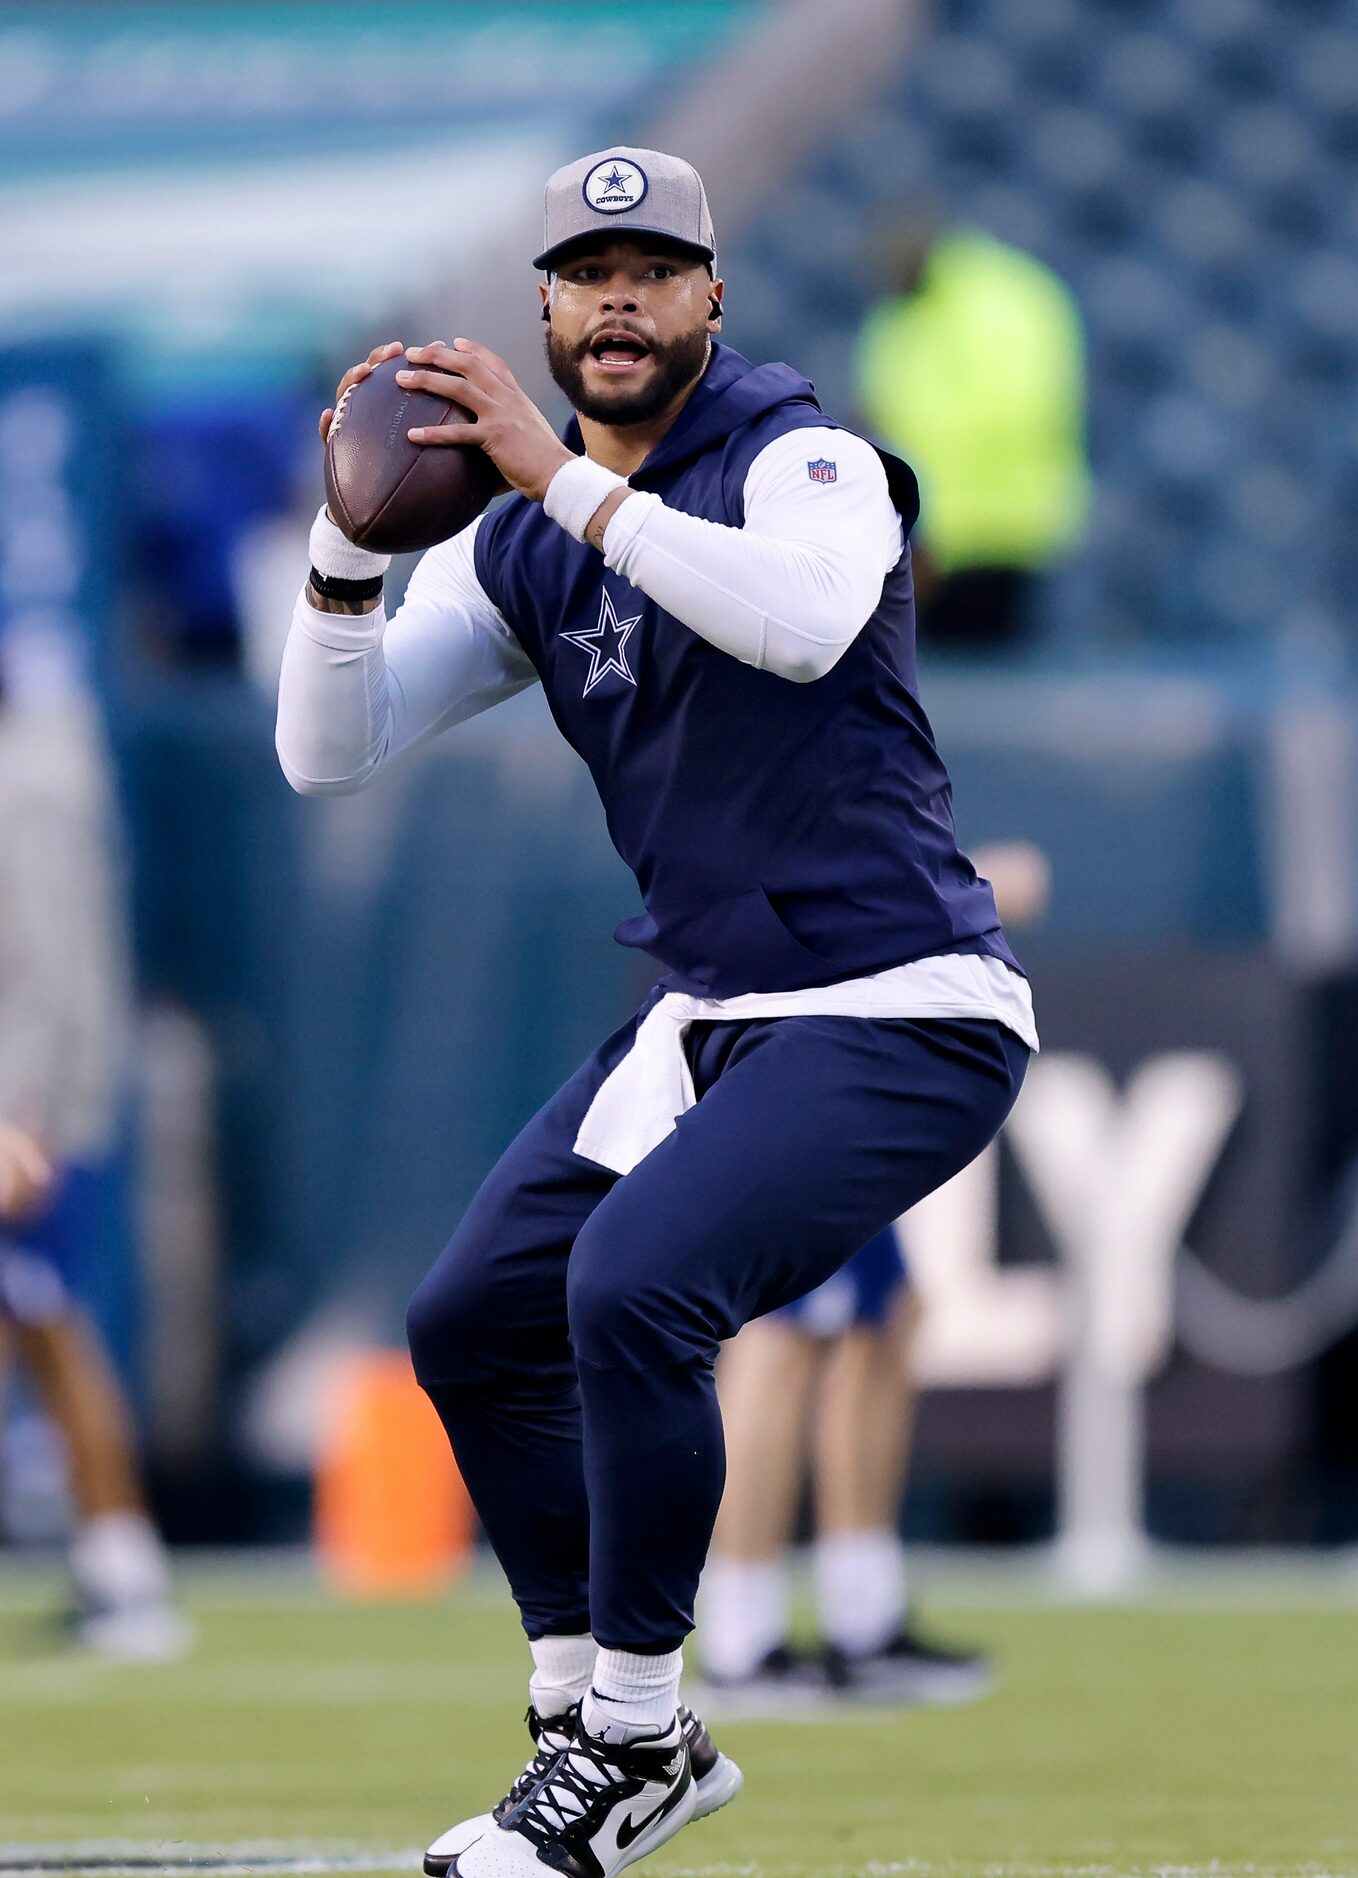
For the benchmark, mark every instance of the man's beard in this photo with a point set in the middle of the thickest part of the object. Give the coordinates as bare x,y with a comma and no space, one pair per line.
676,365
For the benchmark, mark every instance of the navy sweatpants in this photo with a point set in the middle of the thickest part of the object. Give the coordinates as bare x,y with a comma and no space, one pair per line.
568,1332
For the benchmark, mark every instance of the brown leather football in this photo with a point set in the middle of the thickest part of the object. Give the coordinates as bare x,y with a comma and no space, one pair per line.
388,493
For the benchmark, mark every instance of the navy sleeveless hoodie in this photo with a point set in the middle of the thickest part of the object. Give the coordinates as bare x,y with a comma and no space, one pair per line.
782,835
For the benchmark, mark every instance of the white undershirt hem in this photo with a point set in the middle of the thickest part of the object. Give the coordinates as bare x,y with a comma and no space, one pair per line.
639,1102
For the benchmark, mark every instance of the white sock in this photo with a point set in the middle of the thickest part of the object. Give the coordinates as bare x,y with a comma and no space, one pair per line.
562,1667
632,1695
743,1613
119,1559
860,1588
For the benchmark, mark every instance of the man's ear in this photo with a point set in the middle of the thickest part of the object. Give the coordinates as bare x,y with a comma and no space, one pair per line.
715,306
545,290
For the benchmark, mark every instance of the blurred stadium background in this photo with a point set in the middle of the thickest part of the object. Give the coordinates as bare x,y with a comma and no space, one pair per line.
1144,1369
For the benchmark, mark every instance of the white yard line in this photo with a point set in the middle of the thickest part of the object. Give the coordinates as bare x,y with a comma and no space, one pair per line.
921,1868
114,1858
177,1858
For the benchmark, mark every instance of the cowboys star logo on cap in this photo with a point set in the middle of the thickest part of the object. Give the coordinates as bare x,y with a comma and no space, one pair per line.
615,185
622,193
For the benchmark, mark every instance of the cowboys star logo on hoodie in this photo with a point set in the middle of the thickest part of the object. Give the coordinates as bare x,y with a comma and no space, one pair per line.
606,644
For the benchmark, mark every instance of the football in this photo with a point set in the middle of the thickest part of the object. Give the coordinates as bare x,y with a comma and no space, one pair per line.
387,493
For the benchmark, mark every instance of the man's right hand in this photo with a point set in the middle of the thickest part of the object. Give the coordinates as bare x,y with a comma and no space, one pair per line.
25,1173
356,372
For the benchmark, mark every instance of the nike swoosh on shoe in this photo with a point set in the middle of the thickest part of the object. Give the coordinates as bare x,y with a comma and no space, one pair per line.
631,1829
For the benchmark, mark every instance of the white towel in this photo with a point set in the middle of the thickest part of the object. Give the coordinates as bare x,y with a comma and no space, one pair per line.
639,1102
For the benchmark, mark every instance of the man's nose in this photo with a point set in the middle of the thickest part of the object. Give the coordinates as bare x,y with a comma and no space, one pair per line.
619,296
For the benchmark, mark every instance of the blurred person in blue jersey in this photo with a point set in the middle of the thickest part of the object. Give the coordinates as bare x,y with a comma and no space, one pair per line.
64,1028
710,577
826,1387
973,367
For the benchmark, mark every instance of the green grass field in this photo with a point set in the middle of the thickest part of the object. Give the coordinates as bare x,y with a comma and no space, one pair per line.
1198,1731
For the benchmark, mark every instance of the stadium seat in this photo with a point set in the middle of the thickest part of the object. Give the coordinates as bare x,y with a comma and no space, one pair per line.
1187,167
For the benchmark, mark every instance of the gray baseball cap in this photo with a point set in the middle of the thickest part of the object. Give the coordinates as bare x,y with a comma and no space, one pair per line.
624,192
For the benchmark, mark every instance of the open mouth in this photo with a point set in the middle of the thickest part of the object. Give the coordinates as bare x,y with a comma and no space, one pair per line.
618,351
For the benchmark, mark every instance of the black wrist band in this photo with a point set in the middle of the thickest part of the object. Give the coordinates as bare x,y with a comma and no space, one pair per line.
329,588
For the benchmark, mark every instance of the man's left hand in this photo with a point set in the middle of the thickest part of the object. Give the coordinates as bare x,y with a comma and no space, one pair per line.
509,427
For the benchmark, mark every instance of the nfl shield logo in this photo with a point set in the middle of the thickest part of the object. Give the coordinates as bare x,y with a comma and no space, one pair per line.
821,471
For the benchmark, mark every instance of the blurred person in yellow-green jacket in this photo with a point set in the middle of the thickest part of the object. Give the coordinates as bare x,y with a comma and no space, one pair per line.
973,368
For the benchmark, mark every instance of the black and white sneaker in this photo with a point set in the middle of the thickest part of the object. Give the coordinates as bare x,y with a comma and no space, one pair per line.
910,1669
716,1779
597,1808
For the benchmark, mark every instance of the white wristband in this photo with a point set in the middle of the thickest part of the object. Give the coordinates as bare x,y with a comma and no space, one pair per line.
334,555
576,492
